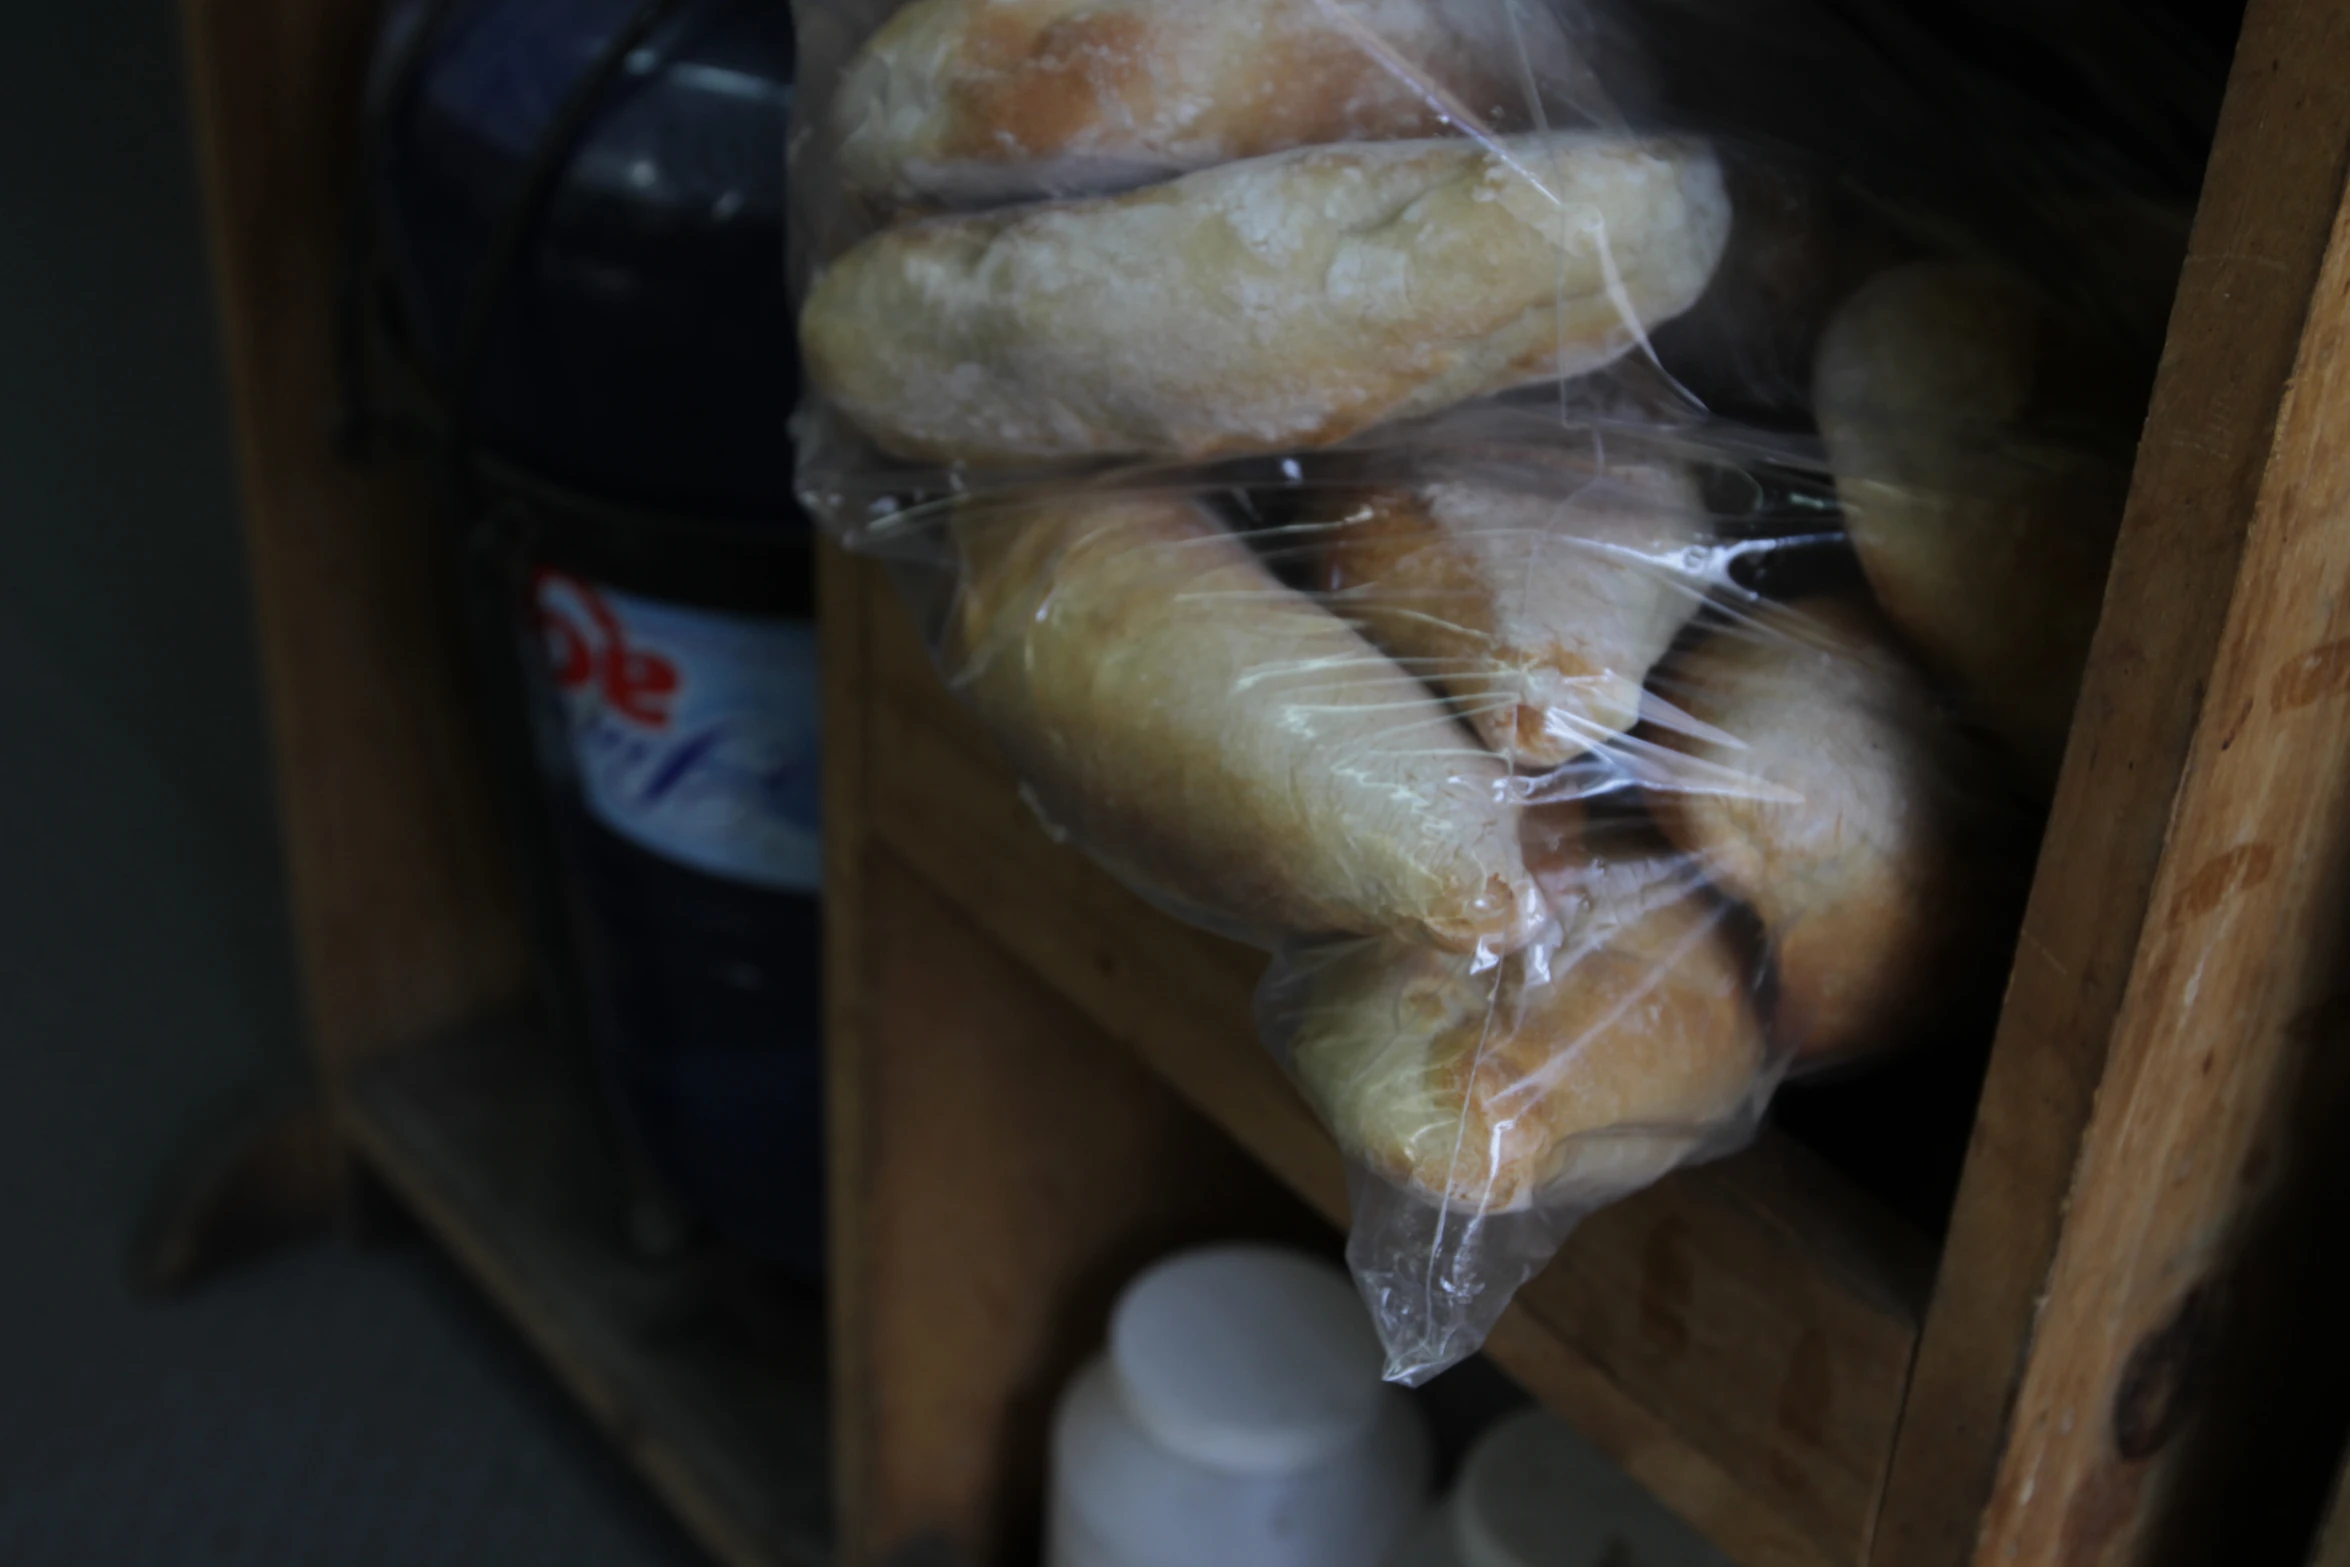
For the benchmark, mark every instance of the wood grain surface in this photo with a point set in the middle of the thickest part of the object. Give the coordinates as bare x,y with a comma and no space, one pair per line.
2186,1361
2275,175
403,908
2333,1541
1018,1169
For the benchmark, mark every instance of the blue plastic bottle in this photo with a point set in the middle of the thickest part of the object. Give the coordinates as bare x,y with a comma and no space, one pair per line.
620,407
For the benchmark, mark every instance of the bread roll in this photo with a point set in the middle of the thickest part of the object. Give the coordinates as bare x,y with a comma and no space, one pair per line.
1288,301
965,101
1846,842
1223,741
1798,249
1538,614
1970,431
1581,1076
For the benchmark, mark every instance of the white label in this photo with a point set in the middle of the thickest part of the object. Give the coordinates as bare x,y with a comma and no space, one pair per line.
695,732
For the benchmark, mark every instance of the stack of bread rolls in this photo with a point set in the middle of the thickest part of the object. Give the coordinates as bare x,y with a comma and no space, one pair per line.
1571,840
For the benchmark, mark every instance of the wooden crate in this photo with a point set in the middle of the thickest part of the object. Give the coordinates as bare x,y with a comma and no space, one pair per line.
1038,1082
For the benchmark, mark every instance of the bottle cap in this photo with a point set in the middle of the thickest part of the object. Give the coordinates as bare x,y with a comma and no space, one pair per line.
1248,1359
1535,1493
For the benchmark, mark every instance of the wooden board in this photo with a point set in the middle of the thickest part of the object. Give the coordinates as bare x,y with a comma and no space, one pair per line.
1018,1169
708,1378
2189,1359
2275,175
403,911
842,625
1739,1336
998,1169
2333,1541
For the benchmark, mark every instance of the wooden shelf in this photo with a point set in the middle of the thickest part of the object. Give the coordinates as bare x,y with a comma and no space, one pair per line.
1038,1083
1739,1336
710,1380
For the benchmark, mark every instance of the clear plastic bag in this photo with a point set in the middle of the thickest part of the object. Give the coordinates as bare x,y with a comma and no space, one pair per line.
1574,525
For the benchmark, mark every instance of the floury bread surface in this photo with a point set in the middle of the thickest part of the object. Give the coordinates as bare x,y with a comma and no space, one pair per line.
957,102
1285,302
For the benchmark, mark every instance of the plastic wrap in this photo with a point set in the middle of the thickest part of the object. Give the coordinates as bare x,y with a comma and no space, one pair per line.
1574,525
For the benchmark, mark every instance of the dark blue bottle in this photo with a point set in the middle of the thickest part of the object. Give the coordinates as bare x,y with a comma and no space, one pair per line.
642,350
621,403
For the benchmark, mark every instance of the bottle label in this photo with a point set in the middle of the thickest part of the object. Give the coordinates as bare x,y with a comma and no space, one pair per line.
694,732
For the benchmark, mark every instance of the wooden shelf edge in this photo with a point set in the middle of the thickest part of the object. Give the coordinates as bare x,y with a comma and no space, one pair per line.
1707,1496
1526,1343
2332,1547
719,1484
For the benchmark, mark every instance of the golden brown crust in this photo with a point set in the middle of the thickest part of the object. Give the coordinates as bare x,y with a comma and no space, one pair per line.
1059,88
1222,741
1539,615
1396,576
961,100
1629,1047
1846,840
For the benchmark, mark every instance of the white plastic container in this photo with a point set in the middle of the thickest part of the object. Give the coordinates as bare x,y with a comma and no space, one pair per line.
1238,1420
1534,1493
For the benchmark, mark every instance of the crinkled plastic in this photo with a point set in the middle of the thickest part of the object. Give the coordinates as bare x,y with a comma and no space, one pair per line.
1574,525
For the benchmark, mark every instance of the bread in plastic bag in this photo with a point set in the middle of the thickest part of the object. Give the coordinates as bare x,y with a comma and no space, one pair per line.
1222,739
960,101
1850,843
1291,300
1575,526
1962,488
1537,613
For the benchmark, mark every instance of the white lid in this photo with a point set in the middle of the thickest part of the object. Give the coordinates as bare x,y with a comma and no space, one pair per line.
1249,1359
1535,1493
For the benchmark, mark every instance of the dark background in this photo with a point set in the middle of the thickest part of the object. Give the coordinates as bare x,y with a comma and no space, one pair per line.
332,1404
